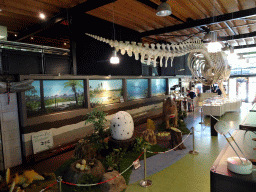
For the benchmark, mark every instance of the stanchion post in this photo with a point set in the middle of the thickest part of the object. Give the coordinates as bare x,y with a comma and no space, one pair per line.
145,182
194,152
201,116
60,180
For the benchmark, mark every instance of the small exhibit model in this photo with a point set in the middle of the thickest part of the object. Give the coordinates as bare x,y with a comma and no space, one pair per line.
122,126
237,164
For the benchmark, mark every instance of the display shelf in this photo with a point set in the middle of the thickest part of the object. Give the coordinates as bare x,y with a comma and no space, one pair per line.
222,179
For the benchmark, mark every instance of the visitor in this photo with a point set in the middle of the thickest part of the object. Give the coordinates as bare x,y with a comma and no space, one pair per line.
219,91
191,94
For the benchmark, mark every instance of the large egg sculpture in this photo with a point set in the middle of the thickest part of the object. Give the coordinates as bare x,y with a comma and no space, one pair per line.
122,126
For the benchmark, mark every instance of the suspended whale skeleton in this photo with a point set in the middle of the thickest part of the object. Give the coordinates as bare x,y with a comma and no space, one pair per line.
207,68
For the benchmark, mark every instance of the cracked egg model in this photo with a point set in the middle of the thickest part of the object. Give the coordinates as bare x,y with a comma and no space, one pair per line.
122,126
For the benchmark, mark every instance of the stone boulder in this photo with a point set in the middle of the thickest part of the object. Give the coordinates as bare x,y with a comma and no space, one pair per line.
116,185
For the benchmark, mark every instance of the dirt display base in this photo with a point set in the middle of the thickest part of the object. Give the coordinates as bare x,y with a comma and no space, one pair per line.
116,144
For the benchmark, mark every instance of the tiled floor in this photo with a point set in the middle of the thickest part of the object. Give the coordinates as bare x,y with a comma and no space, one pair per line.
192,172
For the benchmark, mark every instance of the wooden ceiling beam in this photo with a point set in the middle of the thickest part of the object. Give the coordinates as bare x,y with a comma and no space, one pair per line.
81,8
236,37
203,22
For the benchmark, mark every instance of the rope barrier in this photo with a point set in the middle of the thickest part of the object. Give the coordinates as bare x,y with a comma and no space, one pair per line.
172,148
48,186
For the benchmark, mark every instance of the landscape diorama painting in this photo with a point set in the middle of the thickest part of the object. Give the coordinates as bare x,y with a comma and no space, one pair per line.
158,87
33,100
137,89
104,92
59,95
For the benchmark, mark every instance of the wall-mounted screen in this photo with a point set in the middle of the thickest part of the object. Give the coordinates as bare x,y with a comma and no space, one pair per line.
158,87
33,100
105,91
137,89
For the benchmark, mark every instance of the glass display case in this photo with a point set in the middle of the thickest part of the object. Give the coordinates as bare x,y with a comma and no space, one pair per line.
217,106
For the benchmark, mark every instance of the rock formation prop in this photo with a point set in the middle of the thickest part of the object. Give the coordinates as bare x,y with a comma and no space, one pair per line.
116,185
149,136
208,68
122,126
74,174
151,124
170,108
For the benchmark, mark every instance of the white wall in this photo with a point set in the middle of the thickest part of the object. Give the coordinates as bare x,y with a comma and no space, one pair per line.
10,130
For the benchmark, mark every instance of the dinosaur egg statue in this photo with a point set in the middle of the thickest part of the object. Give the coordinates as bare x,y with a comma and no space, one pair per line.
122,126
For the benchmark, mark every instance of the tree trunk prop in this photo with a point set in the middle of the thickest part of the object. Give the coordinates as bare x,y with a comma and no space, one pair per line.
84,150
176,139
170,108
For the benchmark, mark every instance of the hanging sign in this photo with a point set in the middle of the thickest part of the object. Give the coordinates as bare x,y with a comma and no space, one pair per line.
42,141
136,164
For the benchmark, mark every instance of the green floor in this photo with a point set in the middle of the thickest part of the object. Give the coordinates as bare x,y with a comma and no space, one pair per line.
192,172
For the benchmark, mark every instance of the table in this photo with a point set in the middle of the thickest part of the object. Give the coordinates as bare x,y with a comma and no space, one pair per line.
223,180
249,122
253,109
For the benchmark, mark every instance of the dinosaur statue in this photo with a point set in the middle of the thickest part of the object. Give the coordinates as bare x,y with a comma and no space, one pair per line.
208,68
170,108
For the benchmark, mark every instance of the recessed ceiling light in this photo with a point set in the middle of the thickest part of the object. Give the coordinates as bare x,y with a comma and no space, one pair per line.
31,37
15,35
42,16
65,43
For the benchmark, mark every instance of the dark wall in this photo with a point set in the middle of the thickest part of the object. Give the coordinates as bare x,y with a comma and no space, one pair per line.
21,62
55,64
178,64
93,56
25,63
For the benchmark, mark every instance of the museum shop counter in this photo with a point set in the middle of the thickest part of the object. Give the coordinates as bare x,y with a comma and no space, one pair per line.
223,180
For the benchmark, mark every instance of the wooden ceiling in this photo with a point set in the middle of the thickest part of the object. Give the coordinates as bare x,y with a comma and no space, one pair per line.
233,20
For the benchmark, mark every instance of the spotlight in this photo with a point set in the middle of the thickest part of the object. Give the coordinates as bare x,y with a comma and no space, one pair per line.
42,16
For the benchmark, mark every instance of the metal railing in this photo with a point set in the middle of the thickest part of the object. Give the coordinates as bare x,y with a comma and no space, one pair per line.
33,48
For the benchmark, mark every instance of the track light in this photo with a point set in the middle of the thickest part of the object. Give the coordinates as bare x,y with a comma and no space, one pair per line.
164,9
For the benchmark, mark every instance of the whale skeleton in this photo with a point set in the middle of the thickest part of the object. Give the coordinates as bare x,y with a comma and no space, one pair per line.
207,68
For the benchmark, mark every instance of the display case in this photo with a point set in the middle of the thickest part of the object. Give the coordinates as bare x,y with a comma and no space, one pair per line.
218,106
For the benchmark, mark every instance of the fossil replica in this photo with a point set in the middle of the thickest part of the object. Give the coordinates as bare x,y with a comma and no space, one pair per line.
207,68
